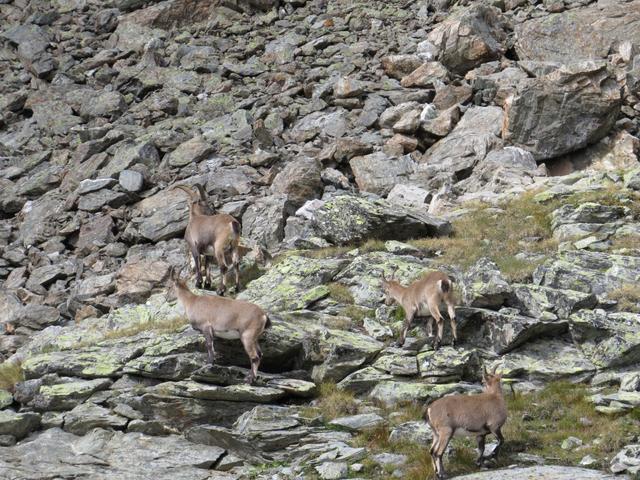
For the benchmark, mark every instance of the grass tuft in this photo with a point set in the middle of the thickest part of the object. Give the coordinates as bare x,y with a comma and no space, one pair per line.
10,374
340,293
333,403
627,296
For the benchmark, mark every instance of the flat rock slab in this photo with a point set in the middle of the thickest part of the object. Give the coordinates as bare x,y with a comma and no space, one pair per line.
108,454
541,473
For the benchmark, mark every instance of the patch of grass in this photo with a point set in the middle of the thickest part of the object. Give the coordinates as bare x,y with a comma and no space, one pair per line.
10,374
519,226
372,245
626,242
332,403
340,293
538,423
164,325
357,313
628,298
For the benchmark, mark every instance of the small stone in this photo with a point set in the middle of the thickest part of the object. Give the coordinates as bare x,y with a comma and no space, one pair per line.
332,470
131,180
571,443
587,460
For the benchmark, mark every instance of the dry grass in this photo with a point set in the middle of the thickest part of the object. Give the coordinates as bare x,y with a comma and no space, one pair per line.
10,374
626,242
627,296
332,403
340,293
518,226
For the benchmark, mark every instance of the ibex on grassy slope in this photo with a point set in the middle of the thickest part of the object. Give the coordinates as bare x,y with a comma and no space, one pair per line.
477,415
217,235
226,318
421,297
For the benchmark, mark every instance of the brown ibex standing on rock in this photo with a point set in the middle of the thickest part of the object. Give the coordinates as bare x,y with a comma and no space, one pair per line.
421,297
217,235
225,318
477,415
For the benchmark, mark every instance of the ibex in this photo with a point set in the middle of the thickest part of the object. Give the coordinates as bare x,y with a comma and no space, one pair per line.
217,235
226,318
477,415
421,297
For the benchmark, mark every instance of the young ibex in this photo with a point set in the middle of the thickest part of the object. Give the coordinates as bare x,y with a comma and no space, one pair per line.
225,318
217,235
477,415
420,298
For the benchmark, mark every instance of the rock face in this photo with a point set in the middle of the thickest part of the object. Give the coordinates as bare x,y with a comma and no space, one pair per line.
538,39
347,138
563,111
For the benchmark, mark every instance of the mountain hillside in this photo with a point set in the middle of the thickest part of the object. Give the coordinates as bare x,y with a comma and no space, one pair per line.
494,140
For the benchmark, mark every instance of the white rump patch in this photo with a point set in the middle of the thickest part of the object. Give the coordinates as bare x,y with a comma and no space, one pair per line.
227,334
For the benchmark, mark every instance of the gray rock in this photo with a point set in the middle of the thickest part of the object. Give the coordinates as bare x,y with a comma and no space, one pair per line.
349,219
413,432
455,156
558,130
105,104
398,66
540,473
627,460
85,417
540,38
299,181
108,454
18,425
67,395
332,470
571,443
378,173
632,179
264,220
357,423
128,154
607,339
194,150
484,286
131,180
469,37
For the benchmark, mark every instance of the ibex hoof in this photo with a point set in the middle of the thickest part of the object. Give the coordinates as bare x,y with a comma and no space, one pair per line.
220,292
249,380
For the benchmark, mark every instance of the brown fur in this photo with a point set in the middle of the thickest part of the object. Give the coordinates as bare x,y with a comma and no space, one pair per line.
215,316
476,415
421,296
212,235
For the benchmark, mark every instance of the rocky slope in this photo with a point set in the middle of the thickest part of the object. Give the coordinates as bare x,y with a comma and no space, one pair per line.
321,125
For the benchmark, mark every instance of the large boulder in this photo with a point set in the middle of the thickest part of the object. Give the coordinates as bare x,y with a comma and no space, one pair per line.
350,219
607,339
108,454
299,181
593,30
568,109
454,157
264,220
470,37
378,173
